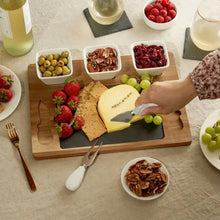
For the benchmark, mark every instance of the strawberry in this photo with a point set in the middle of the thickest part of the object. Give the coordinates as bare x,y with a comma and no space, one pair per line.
78,123
64,130
5,81
71,87
63,114
72,102
59,97
5,95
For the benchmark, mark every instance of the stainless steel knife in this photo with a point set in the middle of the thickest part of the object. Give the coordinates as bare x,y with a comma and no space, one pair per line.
126,116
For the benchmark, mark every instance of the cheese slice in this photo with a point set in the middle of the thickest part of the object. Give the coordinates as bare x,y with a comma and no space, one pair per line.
114,101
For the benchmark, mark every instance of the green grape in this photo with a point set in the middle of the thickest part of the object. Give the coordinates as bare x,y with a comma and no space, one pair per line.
124,78
217,129
212,145
144,84
206,138
157,120
218,142
148,118
132,82
210,130
145,76
137,86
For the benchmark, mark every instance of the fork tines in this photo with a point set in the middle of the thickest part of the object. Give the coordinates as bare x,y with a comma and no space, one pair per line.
12,130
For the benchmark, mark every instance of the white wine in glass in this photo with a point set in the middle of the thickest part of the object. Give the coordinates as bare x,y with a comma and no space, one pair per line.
205,30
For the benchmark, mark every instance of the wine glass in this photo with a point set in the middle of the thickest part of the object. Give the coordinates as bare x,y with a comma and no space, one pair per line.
205,30
106,12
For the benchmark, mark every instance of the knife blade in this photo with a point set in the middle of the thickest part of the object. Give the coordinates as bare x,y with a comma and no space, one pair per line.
126,116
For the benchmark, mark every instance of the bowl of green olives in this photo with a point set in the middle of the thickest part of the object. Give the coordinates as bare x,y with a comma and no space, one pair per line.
54,66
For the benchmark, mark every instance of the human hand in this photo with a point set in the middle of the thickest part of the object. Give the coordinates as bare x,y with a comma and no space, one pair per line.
168,95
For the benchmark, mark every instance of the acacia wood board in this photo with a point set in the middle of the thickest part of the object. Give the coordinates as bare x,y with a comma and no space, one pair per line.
45,141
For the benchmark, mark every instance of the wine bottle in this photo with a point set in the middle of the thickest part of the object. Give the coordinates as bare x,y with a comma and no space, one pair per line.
16,27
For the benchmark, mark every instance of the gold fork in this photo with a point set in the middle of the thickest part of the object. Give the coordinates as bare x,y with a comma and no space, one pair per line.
12,133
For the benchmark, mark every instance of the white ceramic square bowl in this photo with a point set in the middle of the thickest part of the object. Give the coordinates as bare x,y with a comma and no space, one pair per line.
154,71
54,79
105,75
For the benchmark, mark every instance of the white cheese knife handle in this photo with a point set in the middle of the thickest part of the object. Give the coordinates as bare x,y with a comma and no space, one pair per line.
140,108
75,179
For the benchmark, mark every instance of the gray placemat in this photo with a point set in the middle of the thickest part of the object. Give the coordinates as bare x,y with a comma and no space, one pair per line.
99,30
191,51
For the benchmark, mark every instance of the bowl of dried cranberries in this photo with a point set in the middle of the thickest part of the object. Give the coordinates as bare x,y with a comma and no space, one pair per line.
150,57
160,14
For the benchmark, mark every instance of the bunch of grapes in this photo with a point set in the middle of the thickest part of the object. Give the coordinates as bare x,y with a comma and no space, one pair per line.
144,83
211,137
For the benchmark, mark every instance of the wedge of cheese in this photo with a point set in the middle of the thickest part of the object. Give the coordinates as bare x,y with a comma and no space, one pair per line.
114,101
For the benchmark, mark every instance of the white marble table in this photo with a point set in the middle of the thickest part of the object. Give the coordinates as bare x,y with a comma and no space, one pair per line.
194,191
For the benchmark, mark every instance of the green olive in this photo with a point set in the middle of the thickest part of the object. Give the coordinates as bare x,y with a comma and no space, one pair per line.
46,63
59,70
65,60
50,68
54,73
66,70
42,56
42,69
56,56
47,74
41,61
53,62
65,54
49,57
60,63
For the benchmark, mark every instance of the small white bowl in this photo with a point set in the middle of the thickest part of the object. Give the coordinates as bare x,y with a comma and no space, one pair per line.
149,160
154,71
54,79
101,75
155,25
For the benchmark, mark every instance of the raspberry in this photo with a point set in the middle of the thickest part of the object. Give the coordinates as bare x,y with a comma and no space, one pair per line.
167,19
170,6
154,12
151,17
172,13
159,19
148,8
165,2
158,6
163,13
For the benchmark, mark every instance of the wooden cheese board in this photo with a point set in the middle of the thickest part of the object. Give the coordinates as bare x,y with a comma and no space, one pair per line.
46,143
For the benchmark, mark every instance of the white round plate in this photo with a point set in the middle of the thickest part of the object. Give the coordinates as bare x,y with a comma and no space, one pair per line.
10,106
149,160
212,156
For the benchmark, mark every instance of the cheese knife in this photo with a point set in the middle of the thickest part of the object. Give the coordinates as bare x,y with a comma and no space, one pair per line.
126,116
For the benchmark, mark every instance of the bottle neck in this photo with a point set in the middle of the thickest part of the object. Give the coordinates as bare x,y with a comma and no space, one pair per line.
11,4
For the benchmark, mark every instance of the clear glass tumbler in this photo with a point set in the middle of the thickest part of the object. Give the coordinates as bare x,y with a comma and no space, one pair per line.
106,11
205,30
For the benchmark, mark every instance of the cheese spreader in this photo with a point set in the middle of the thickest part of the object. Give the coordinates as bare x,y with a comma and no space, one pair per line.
126,116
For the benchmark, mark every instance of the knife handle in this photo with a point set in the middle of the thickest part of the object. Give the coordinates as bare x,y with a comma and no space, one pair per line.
140,108
75,179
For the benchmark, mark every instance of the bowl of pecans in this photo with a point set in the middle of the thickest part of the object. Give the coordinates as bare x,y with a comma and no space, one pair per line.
145,178
102,62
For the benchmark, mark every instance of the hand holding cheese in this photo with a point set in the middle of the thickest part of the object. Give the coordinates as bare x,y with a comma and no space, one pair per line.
114,101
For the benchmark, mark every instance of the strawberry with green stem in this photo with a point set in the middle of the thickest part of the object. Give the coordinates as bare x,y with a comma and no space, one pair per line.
5,95
64,130
71,87
5,81
72,102
59,97
63,114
